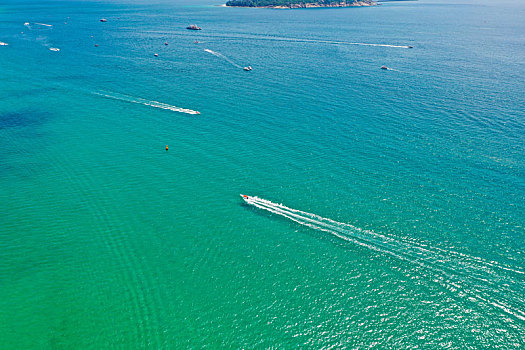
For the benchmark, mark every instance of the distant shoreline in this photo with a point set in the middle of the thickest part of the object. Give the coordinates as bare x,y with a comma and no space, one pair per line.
358,3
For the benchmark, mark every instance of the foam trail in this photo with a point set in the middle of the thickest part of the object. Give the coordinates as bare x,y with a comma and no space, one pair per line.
333,42
138,100
456,272
297,40
220,55
43,24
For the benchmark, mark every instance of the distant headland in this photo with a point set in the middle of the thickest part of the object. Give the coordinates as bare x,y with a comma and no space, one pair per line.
298,4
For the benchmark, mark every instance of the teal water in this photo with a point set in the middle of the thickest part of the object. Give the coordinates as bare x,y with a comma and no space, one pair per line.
109,241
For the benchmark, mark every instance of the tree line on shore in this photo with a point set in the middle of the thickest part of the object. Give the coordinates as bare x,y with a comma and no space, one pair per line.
261,3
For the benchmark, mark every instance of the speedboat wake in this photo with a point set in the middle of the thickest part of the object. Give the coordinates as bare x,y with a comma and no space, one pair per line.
481,281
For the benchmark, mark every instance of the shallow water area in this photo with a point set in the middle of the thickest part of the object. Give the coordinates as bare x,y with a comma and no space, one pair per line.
390,208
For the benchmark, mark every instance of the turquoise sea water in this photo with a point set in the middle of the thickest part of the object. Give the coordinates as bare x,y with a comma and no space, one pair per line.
109,241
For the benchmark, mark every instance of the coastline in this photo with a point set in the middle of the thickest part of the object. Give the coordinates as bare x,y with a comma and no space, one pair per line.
315,5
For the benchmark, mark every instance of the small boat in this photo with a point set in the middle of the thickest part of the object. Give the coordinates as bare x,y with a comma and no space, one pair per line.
385,67
166,43
103,20
193,27
410,47
54,49
249,68
3,44
245,197
196,42
156,54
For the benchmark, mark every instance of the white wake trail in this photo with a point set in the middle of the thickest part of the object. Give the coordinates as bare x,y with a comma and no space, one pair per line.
151,103
220,55
43,24
320,41
454,271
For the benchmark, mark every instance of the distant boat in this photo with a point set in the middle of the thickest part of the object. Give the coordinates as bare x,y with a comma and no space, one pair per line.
156,54
193,27
196,42
103,20
248,68
384,67
54,49
166,43
3,44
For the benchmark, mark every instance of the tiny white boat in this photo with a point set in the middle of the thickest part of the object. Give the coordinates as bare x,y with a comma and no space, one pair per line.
54,49
3,44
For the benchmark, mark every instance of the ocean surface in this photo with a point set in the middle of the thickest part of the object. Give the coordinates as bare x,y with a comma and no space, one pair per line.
391,203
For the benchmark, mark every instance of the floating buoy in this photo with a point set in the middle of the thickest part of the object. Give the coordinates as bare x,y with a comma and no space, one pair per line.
166,147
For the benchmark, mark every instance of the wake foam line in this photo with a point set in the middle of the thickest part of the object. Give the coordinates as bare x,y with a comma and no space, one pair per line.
43,24
332,42
472,278
138,100
299,40
220,55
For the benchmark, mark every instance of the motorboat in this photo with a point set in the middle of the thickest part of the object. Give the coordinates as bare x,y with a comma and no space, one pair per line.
103,20
249,68
193,27
384,67
54,49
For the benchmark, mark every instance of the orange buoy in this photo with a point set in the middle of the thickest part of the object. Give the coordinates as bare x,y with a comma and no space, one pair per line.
166,147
